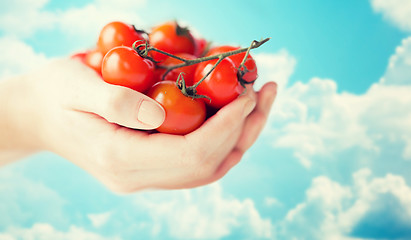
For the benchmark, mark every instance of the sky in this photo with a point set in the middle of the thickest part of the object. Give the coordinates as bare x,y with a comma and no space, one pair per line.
333,161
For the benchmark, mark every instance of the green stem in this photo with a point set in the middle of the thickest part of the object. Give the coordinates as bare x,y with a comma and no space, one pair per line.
242,69
208,73
188,91
169,54
246,55
191,90
188,62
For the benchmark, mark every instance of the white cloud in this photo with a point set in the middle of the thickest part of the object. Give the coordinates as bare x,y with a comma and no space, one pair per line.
311,118
324,200
339,212
396,11
17,57
18,196
272,201
406,154
44,231
329,194
277,67
32,210
204,213
98,13
23,18
315,120
99,219
399,67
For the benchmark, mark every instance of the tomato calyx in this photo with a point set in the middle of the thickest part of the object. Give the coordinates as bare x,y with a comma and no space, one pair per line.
142,49
182,31
242,69
141,31
240,75
188,91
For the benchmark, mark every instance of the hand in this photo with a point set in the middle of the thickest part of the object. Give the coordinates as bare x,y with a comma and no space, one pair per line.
75,114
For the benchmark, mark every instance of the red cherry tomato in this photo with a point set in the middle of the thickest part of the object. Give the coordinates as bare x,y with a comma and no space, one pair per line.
123,66
171,38
221,85
116,34
173,74
79,56
183,114
237,59
93,59
201,47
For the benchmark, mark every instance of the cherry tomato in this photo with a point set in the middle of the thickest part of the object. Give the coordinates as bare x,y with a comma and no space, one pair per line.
221,85
93,59
116,34
123,66
237,59
201,47
173,74
183,114
79,56
171,38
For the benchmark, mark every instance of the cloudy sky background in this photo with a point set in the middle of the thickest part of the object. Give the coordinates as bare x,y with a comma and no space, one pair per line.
333,162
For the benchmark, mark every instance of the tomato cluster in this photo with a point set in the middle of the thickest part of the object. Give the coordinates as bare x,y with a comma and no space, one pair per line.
147,62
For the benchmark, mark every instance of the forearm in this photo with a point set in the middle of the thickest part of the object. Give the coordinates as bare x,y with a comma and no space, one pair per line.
16,138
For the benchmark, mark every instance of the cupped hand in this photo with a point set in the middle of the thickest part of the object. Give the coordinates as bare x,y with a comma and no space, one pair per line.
102,128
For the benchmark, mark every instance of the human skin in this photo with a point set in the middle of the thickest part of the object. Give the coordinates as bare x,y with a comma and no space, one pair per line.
67,109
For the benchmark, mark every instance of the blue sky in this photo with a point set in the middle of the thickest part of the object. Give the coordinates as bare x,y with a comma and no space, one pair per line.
314,32
332,163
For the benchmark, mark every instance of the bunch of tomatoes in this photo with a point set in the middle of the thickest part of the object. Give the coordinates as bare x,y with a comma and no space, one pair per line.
187,76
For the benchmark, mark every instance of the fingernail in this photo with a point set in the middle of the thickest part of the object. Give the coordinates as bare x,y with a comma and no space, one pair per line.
150,114
248,107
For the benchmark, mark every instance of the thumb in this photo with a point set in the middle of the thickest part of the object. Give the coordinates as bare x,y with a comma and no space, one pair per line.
129,108
116,104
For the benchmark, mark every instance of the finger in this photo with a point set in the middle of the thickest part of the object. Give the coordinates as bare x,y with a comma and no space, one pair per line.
171,172
131,181
229,162
127,107
214,132
182,151
180,169
116,104
185,151
257,119
202,171
252,128
187,175
232,159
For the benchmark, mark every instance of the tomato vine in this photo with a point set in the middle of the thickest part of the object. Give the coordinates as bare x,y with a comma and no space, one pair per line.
143,48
